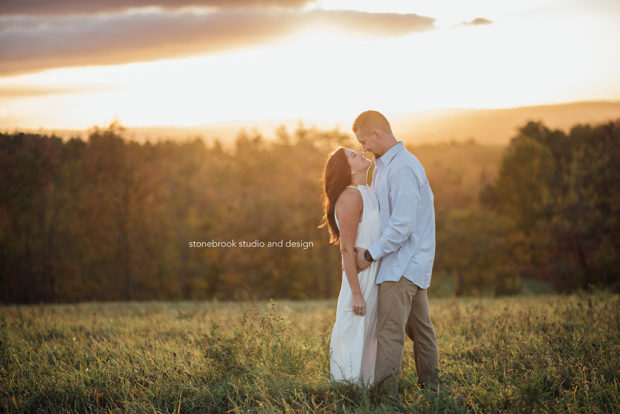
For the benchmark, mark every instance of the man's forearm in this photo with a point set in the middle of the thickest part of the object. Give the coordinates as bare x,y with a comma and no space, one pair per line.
389,242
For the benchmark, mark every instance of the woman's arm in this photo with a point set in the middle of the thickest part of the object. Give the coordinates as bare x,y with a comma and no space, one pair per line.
349,211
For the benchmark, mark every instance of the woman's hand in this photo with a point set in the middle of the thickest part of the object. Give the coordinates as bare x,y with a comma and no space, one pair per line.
359,304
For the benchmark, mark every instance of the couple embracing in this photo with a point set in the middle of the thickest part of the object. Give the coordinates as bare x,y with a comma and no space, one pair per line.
386,235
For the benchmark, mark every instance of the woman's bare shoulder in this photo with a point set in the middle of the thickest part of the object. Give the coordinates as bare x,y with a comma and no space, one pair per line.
349,196
349,203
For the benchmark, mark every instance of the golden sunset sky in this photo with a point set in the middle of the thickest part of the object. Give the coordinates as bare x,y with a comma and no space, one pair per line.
74,63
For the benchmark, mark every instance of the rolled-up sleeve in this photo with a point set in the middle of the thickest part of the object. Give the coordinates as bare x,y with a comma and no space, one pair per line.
404,193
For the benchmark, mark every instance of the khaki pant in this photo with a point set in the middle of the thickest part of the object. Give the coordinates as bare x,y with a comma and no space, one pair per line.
403,308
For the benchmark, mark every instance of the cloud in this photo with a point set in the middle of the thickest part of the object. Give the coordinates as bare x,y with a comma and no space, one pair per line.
24,91
67,7
30,43
477,22
385,24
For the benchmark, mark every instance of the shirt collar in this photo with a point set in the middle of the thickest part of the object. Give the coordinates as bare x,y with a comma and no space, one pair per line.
389,155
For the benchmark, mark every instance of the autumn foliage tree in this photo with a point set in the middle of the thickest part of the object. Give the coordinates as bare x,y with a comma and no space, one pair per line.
562,191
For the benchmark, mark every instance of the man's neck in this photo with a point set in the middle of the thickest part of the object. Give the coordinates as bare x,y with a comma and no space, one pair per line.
389,144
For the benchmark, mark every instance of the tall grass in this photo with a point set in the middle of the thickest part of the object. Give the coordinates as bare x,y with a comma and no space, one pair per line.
517,354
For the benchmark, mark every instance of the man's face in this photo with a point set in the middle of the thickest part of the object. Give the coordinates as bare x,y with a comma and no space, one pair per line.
368,140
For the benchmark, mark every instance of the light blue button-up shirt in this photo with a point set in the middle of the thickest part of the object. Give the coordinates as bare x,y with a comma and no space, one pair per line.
407,242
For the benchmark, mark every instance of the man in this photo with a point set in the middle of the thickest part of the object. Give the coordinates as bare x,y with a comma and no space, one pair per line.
407,250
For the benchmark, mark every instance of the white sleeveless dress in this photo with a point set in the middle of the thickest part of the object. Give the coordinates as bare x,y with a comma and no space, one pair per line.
353,345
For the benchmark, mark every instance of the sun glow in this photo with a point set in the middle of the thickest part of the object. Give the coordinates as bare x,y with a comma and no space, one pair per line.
323,73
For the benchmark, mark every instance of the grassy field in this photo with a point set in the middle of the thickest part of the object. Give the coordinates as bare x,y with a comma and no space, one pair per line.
516,354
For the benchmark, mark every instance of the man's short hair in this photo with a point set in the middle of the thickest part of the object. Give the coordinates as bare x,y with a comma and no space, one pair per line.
370,120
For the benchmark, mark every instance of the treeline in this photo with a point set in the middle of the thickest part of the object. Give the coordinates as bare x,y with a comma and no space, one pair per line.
111,219
552,213
108,218
561,193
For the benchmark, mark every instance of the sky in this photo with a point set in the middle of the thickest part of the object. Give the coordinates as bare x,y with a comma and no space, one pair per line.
74,64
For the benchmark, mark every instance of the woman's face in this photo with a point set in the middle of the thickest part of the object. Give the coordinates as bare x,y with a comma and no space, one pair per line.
357,161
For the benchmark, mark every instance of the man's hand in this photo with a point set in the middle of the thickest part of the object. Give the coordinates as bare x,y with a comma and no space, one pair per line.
362,263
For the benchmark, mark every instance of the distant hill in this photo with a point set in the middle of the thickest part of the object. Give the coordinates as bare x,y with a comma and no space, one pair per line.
485,126
497,126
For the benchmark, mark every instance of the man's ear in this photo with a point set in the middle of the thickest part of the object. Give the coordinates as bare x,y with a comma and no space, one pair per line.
376,135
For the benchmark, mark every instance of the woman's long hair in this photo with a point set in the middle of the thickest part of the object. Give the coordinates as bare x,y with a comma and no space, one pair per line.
336,177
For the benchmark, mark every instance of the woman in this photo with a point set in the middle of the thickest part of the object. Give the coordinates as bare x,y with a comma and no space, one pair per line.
351,214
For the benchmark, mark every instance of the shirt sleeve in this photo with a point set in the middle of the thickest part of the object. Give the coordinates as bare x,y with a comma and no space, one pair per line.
405,197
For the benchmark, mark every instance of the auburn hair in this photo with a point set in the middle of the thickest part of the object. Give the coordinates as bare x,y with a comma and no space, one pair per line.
336,177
